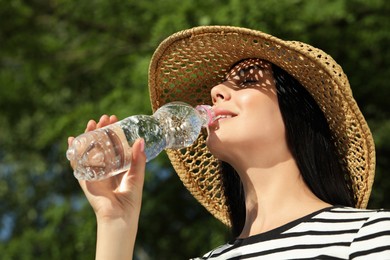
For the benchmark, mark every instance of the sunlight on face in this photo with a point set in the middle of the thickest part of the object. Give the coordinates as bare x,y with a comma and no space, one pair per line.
252,73
249,119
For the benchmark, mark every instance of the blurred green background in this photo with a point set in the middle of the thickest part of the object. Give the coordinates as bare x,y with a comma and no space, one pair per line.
64,62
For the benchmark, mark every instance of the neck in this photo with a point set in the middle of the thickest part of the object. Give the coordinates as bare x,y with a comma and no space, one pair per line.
275,195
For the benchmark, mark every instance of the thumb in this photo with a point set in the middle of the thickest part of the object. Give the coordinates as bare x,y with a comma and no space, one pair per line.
135,176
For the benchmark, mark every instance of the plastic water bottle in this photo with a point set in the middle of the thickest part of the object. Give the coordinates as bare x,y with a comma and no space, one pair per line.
107,151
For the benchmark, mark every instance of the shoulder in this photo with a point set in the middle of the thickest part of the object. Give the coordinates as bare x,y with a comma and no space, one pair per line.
336,219
363,216
335,232
373,238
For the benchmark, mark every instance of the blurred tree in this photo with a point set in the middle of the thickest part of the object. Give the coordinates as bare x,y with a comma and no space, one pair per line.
63,62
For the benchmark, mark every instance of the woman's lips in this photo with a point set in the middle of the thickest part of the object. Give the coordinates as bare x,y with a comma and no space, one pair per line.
222,114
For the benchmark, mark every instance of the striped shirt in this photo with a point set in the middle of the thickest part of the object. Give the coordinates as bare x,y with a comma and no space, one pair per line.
331,233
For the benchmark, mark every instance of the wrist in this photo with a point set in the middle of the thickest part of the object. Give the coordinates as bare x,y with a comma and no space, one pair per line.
110,219
117,216
124,222
116,238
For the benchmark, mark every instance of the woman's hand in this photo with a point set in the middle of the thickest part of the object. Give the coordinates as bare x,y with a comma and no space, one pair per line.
116,201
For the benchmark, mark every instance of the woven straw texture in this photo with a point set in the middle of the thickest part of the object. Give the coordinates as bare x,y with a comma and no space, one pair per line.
189,63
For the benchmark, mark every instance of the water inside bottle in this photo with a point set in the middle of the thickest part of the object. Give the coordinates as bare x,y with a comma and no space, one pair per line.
99,154
107,151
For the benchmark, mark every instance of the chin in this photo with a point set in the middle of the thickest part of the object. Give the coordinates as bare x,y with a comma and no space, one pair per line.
216,147
213,145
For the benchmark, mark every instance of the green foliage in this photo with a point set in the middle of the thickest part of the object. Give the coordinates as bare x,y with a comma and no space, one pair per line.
64,62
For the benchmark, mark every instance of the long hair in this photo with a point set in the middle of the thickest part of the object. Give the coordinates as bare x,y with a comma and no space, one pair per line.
311,144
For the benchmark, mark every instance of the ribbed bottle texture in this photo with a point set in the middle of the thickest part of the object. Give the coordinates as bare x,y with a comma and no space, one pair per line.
107,151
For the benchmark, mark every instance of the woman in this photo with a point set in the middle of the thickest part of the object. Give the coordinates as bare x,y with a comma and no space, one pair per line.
288,157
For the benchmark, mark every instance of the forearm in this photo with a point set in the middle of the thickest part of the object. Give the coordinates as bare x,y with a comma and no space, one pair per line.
115,239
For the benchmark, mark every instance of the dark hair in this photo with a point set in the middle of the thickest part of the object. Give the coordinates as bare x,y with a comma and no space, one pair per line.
311,144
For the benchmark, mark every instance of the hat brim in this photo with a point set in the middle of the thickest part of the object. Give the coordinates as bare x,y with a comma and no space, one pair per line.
186,65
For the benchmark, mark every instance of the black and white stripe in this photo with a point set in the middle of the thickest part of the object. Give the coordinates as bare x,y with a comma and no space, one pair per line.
332,233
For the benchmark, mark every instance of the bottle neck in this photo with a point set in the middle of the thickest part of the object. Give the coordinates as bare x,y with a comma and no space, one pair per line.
206,113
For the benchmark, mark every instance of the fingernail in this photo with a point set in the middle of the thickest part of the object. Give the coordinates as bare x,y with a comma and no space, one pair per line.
103,117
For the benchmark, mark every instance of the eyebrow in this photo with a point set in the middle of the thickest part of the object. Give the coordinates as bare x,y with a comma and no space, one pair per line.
252,66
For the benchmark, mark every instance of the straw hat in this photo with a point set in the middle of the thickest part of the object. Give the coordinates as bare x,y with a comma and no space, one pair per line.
189,63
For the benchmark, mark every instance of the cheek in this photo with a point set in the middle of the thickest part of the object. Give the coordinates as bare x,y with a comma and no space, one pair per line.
259,124
264,117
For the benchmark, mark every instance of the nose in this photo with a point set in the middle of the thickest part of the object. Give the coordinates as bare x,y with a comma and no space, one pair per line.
220,93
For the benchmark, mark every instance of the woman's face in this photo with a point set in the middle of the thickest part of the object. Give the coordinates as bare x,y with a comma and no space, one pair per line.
248,114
